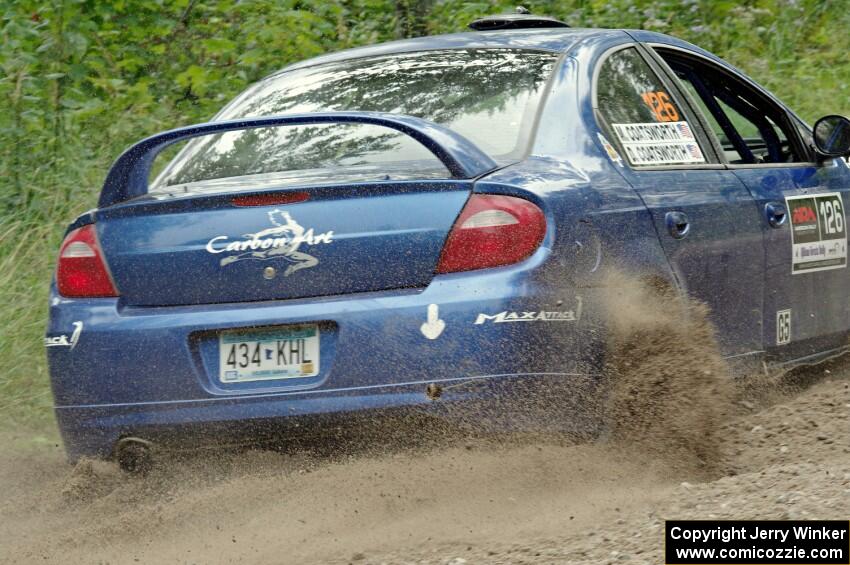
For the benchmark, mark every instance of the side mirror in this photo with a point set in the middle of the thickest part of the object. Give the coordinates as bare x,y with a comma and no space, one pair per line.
832,136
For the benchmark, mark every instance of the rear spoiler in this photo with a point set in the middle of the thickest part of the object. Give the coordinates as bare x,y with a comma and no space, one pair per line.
128,177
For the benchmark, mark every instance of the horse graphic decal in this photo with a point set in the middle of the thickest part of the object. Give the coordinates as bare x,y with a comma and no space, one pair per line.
283,241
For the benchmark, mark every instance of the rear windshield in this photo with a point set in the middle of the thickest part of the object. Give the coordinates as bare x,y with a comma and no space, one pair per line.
487,95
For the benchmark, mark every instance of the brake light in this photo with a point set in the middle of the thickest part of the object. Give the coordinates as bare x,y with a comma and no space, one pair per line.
82,271
492,231
270,199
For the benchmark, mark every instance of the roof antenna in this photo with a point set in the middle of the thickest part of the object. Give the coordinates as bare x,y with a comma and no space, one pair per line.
522,10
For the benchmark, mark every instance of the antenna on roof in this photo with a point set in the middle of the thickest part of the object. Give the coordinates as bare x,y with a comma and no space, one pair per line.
521,19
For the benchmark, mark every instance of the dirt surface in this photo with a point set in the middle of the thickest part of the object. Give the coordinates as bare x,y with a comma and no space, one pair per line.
781,455
676,445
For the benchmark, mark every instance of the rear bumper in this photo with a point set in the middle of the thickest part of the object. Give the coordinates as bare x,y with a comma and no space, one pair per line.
138,371
94,430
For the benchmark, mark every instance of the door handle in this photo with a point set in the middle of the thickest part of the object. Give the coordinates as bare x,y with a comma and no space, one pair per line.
776,214
677,224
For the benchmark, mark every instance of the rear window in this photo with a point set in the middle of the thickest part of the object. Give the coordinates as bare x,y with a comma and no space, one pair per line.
487,95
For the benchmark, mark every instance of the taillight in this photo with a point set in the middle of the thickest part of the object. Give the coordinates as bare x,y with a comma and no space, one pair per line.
82,272
491,231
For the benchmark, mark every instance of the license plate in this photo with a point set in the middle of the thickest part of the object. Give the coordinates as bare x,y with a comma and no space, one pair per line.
284,353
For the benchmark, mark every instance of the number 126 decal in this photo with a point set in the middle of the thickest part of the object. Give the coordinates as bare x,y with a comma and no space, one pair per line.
818,232
660,104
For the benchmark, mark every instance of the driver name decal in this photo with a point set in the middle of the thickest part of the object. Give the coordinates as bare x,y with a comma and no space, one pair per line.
664,143
818,232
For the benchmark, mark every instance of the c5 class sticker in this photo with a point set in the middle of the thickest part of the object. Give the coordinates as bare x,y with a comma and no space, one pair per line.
783,327
818,233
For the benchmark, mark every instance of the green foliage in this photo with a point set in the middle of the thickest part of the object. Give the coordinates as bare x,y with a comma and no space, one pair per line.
82,79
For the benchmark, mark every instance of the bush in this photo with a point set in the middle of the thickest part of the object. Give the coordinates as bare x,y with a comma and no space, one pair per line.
82,79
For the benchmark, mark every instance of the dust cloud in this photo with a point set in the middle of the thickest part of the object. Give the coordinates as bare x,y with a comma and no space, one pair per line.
674,439
669,389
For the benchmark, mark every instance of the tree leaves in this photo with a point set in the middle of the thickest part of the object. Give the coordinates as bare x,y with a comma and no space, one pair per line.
88,77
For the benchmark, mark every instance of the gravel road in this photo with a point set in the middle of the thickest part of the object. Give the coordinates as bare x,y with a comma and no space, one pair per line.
783,454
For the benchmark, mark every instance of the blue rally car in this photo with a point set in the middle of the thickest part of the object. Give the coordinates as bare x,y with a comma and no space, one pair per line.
428,222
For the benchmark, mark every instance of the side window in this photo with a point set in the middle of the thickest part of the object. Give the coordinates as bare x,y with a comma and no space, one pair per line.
642,115
750,128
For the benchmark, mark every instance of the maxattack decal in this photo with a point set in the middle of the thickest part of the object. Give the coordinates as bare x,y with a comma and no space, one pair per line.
664,143
508,316
279,242
818,232
63,340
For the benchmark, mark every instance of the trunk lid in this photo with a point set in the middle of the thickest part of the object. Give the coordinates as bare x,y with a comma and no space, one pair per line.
341,240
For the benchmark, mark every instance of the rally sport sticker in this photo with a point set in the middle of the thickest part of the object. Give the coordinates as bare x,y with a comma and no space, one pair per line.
818,232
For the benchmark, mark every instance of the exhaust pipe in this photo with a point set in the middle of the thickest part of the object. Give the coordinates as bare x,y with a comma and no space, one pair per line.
433,391
134,455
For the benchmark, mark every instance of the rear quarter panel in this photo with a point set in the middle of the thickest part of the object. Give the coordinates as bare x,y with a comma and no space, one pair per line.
598,223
